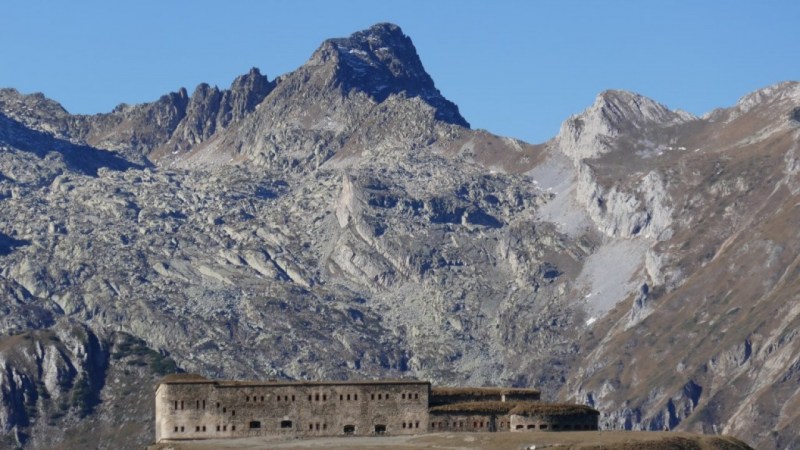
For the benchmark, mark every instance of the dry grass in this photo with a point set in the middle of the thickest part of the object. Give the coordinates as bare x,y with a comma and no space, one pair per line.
551,409
520,408
583,440
475,408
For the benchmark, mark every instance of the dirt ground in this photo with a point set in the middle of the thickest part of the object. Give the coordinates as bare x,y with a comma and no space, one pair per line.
596,440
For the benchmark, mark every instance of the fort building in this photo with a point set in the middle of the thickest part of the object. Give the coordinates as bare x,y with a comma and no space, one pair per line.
192,407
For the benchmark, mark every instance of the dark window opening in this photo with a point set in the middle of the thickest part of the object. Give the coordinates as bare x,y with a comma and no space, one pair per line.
279,398
355,396
233,427
372,396
324,397
181,429
262,398
217,404
543,426
247,399
204,428
556,427
224,428
176,404
324,426
474,424
531,427
204,404
348,396
286,424
217,427
181,404
416,424
380,396
233,412
404,425
380,429
316,397
311,426
341,397
416,396
519,427
292,397
224,409
403,396
176,429
197,405
349,429
317,426
255,424
309,397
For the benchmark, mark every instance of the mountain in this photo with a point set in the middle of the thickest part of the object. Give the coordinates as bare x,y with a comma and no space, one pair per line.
343,221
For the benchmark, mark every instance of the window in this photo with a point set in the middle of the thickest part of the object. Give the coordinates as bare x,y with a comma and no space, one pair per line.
176,429
279,398
311,426
217,404
197,429
233,412
519,427
204,428
181,404
317,426
386,396
197,406
555,427
247,399
293,398
176,404
416,396
217,427
355,396
474,424
380,396
541,427
262,398
404,425
372,396
380,429
233,427
404,396
416,424
324,397
224,428
286,424
309,397
224,409
316,397
531,427
255,424
204,404
349,429
341,397
348,396
324,426
181,429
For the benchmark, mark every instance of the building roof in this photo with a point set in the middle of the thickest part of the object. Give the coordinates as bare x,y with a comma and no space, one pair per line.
185,378
481,391
515,408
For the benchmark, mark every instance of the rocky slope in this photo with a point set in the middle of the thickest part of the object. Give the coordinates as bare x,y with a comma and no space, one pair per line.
343,221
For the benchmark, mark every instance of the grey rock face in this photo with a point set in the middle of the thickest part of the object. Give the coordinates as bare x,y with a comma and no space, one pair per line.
342,221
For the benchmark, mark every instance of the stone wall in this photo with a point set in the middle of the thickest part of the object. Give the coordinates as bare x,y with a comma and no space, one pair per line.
208,409
546,422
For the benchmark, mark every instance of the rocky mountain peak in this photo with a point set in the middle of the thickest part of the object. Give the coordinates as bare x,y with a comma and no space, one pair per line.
614,112
381,61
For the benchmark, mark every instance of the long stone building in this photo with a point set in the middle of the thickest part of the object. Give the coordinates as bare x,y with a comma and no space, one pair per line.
192,407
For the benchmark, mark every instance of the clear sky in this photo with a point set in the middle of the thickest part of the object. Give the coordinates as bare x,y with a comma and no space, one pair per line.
516,68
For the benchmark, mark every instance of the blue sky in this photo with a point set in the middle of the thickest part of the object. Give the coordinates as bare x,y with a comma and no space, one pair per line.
516,68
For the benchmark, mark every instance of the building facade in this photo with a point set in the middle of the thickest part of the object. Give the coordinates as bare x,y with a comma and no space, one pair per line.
192,407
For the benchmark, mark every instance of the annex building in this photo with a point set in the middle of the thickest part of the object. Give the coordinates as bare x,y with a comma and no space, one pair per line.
192,407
